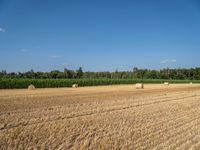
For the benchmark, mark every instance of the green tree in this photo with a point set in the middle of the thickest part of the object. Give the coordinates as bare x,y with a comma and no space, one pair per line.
79,72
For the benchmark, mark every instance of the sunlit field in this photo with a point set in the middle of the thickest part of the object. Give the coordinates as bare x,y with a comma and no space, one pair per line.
104,117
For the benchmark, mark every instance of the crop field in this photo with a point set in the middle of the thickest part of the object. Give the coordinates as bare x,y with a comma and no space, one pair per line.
23,83
105,117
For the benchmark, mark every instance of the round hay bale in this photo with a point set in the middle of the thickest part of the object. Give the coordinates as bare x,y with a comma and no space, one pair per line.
75,86
139,86
166,83
31,87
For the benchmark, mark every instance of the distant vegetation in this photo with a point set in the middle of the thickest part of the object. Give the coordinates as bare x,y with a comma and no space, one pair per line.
68,77
170,74
6,83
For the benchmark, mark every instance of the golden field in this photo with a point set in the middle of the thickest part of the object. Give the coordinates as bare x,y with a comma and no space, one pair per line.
105,117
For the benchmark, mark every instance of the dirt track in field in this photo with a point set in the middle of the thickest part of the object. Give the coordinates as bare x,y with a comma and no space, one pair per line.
104,117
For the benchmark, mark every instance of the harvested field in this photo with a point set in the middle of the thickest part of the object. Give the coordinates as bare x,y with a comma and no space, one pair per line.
105,117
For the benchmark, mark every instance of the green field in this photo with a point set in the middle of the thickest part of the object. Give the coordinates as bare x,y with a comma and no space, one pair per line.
53,83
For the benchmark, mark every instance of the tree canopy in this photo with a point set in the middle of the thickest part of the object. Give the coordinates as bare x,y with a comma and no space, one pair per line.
136,73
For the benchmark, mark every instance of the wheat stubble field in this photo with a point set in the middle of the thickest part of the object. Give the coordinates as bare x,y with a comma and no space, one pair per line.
104,117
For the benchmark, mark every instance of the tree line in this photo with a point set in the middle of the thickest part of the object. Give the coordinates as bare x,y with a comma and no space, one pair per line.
135,73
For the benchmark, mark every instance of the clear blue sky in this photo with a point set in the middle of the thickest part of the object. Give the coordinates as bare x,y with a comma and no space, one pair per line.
99,35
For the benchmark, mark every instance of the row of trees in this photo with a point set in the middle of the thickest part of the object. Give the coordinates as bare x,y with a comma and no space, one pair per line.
179,74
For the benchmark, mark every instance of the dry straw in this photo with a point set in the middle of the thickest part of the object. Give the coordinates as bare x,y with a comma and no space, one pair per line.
31,87
139,85
166,83
75,85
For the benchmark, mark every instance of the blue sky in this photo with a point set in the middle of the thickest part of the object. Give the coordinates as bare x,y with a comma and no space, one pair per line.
99,35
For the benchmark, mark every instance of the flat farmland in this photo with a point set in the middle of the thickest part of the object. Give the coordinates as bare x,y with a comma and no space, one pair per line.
104,117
